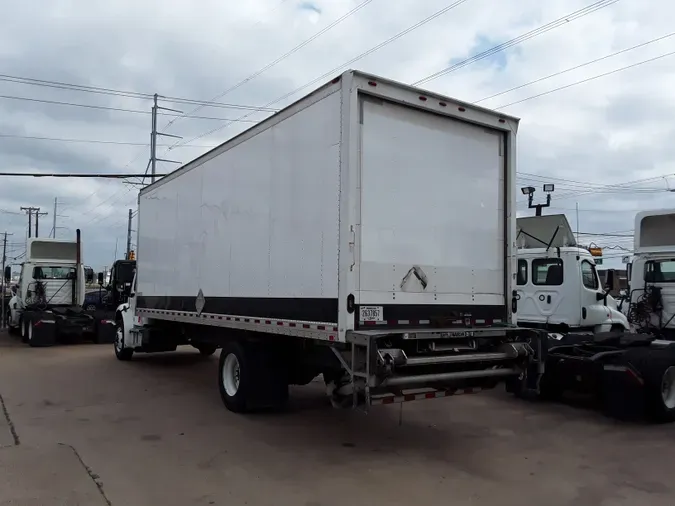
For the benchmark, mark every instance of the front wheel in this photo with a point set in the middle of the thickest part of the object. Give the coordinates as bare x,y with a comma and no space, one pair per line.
121,351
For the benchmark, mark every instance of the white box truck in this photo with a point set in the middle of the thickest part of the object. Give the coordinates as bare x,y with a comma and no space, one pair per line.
365,233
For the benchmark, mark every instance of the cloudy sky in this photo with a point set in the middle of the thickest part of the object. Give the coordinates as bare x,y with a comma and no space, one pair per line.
606,143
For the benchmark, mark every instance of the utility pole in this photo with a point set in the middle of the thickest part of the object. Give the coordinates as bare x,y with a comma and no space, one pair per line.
153,138
54,221
37,221
129,234
4,279
30,211
153,141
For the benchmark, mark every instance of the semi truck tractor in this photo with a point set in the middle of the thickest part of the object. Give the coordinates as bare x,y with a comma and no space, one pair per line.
650,304
592,349
558,284
46,305
365,234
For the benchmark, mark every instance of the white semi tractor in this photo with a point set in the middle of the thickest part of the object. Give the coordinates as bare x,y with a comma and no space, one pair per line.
46,303
558,284
365,233
650,304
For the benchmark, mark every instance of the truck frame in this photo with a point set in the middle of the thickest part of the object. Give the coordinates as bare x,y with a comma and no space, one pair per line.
312,265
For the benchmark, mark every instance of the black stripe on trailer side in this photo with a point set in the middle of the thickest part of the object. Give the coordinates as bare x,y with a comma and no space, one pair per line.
304,309
436,315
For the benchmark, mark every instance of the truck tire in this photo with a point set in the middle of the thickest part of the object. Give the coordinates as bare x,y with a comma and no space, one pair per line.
206,349
656,366
8,319
121,352
40,335
23,331
248,379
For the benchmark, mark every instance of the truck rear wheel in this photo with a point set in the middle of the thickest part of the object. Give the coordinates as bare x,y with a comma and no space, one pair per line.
248,379
656,366
121,352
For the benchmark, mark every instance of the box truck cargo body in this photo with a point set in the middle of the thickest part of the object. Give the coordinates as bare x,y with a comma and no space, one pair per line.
368,214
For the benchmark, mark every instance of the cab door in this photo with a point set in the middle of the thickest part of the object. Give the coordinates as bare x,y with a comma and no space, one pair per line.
593,311
541,292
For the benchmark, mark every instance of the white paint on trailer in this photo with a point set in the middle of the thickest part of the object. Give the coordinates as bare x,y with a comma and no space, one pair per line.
259,220
432,195
276,211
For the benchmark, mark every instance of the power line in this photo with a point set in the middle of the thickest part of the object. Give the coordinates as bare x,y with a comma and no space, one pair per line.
117,109
283,57
621,69
373,49
531,34
521,38
101,175
576,67
120,93
92,141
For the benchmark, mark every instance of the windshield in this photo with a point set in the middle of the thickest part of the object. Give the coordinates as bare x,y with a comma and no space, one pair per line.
53,272
660,271
124,272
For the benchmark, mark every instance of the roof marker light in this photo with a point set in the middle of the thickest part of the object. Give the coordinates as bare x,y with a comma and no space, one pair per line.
423,99
372,83
442,104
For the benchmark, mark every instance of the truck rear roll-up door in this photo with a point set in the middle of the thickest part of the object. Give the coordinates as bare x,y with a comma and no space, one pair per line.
432,209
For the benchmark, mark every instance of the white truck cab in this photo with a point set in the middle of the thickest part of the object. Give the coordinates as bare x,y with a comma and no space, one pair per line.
52,278
651,273
558,287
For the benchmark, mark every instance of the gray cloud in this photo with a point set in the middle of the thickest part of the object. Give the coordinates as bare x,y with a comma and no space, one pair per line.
606,132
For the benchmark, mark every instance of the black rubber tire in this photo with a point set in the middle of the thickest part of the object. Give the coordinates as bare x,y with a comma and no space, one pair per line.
262,383
23,330
12,330
30,331
549,389
206,349
651,364
121,352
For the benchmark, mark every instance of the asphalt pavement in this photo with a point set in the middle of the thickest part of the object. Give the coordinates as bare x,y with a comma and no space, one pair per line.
79,427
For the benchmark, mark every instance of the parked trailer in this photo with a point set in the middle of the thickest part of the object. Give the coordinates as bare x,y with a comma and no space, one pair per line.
365,233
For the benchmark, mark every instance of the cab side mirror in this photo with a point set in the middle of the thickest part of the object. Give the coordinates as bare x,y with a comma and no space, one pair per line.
100,278
8,273
612,281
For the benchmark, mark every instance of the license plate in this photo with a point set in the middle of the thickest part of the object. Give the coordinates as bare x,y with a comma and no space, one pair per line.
370,313
459,333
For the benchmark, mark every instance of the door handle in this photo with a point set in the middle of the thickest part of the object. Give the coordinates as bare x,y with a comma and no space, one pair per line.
548,299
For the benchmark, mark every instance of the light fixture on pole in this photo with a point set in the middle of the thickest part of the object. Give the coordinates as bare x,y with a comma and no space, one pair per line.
529,191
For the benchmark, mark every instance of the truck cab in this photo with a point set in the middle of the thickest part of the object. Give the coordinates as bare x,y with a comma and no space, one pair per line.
47,300
557,285
651,274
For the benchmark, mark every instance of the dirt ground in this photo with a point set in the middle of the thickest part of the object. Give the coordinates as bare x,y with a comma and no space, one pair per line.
79,427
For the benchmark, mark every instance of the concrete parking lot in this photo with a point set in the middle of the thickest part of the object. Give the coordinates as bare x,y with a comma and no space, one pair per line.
79,427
